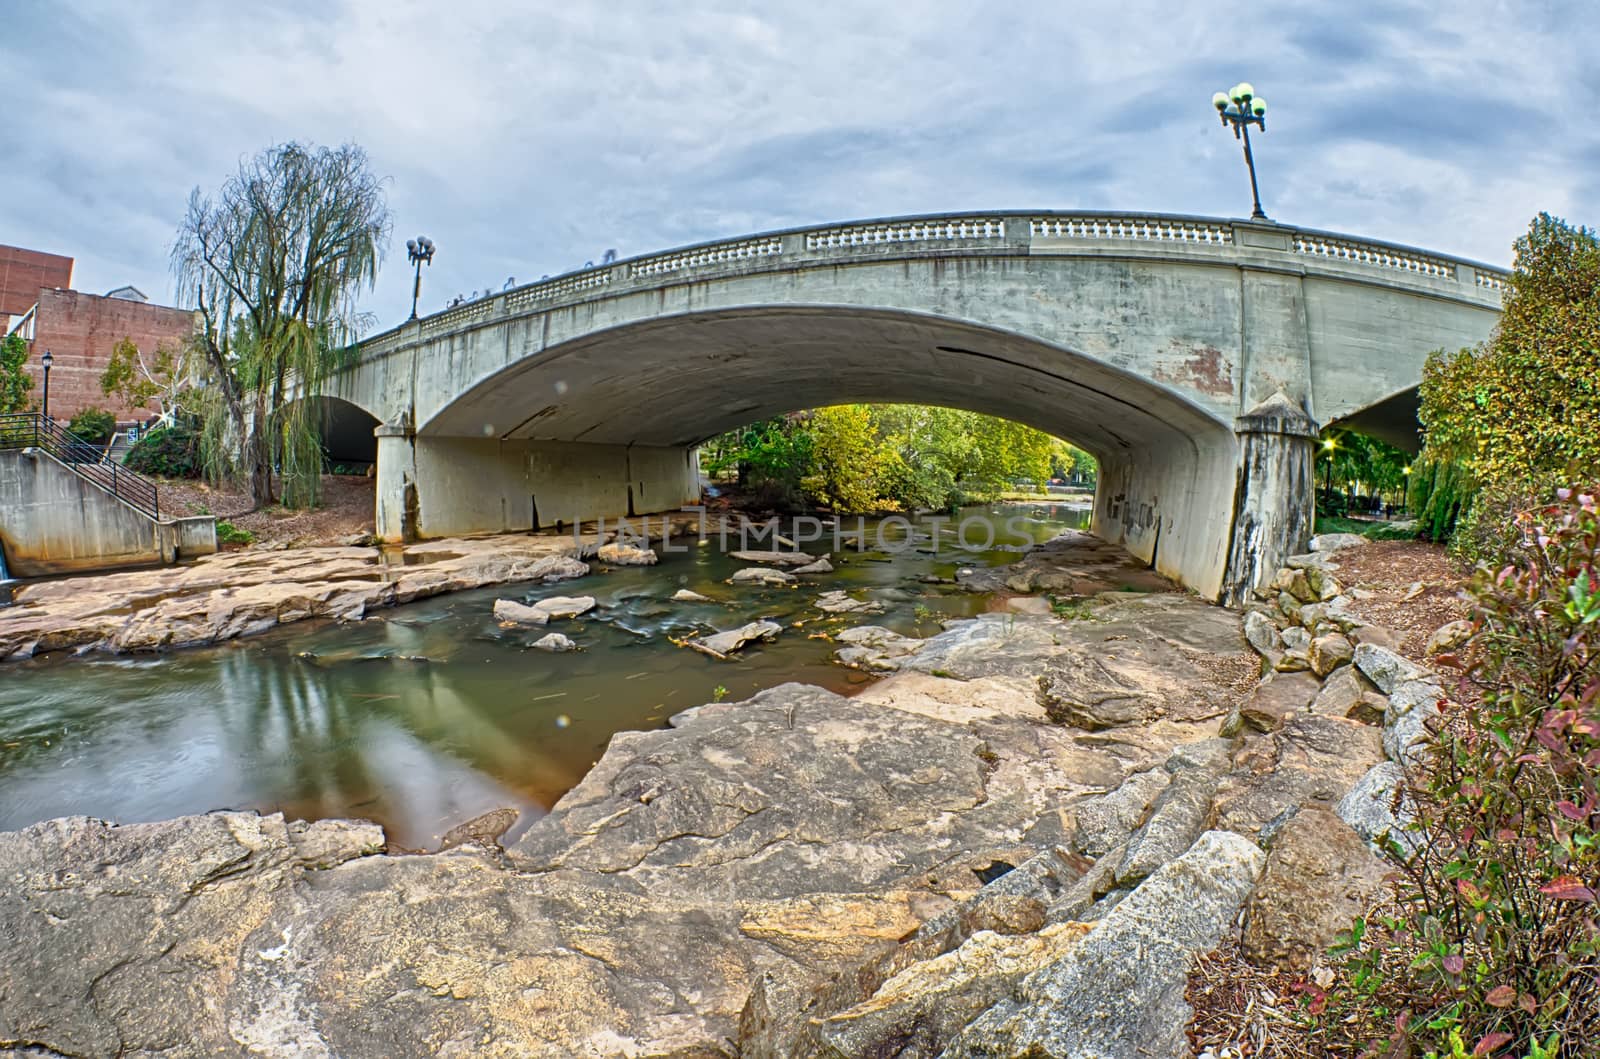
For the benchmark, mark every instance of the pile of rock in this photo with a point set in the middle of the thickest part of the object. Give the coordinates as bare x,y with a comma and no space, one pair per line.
1322,659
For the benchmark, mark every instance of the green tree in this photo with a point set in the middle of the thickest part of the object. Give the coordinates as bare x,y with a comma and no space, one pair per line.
15,382
138,381
848,461
1524,405
274,264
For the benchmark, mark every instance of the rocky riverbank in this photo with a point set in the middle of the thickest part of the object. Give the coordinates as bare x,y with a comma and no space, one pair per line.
1018,843
239,593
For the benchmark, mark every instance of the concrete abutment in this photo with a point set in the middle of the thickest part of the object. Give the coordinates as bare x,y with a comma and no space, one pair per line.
440,486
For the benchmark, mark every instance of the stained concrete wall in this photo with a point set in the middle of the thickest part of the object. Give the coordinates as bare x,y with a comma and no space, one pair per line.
451,486
53,522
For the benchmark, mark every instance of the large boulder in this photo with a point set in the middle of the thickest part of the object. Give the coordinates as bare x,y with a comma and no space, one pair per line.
1310,759
1319,876
1410,720
1105,822
1377,809
1119,991
544,611
1385,667
1329,652
1180,811
1448,637
618,554
1277,698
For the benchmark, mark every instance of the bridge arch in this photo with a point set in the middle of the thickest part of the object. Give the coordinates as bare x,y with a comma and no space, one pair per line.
1194,356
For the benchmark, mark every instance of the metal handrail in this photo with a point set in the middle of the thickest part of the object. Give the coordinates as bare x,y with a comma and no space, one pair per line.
20,430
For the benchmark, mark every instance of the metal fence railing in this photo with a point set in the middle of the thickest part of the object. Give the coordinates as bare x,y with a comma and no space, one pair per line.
29,430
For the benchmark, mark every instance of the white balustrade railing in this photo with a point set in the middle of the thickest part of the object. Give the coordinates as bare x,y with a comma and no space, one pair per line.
991,230
715,254
922,230
550,290
461,315
1148,229
1373,254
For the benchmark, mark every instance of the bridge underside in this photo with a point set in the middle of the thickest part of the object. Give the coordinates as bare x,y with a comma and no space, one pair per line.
606,424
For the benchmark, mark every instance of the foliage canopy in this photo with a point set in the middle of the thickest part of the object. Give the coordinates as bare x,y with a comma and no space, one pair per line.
274,264
859,458
15,382
1521,409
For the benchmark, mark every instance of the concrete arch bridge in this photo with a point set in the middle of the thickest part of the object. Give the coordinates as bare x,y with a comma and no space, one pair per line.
1194,357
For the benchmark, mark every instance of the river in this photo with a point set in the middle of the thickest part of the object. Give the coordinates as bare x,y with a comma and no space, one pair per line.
426,715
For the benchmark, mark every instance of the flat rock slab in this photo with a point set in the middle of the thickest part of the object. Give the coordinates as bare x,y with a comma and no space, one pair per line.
1072,563
762,576
840,602
775,558
723,644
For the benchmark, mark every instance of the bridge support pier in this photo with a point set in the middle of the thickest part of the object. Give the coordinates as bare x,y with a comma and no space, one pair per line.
439,486
1274,500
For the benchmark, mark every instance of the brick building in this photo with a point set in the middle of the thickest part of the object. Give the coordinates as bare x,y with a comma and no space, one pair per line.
80,331
22,273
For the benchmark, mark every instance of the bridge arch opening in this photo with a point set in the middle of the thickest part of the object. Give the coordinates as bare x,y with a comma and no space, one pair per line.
347,433
647,393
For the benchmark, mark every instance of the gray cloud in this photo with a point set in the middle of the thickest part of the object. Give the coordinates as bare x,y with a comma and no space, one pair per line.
528,138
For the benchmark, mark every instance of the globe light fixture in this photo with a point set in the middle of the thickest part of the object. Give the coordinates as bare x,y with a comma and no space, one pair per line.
419,251
1240,108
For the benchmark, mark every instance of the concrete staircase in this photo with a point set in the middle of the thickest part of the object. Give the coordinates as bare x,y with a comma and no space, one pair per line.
66,508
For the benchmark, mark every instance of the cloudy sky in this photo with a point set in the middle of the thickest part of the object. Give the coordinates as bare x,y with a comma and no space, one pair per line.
526,138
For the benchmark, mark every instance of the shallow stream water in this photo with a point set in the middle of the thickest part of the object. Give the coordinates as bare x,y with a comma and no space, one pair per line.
426,715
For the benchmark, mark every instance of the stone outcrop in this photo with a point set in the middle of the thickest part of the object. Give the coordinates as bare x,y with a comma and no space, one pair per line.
1119,990
231,594
1015,844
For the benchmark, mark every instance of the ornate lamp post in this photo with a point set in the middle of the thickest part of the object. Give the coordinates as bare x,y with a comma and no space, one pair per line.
45,360
419,251
1241,108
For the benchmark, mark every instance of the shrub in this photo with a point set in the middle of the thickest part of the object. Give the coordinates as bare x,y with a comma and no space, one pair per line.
1493,947
94,425
166,452
228,533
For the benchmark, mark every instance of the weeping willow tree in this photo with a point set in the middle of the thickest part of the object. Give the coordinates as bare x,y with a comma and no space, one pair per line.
274,264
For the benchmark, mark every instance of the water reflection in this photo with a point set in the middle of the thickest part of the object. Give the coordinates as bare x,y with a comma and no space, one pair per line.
431,713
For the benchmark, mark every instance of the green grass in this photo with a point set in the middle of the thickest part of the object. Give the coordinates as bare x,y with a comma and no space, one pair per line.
1377,531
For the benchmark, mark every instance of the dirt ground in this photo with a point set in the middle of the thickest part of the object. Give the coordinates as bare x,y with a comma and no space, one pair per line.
346,511
1389,572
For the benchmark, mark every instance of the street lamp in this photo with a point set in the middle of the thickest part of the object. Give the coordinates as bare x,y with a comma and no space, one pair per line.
1240,107
419,251
46,360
